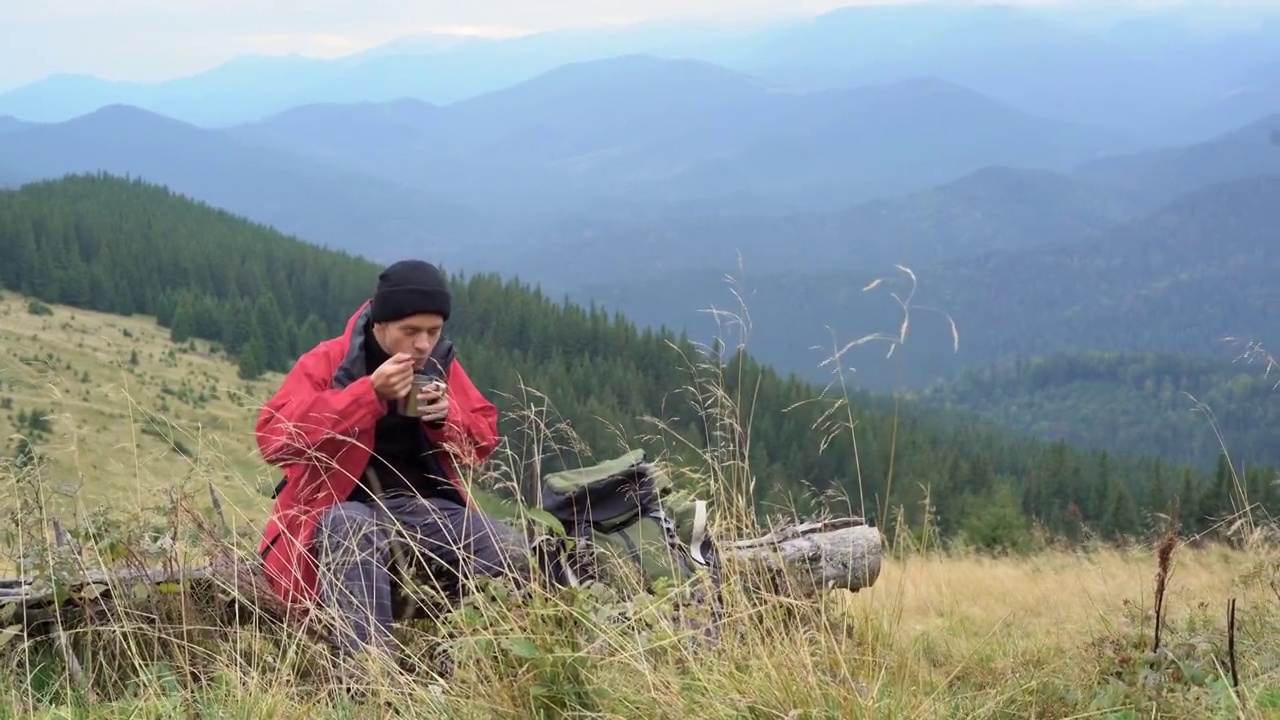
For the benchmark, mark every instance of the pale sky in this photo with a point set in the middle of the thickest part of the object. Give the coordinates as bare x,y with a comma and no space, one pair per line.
159,39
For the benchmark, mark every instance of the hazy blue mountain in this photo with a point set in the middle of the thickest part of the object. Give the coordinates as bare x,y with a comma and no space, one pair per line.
1139,75
1252,96
626,110
1177,280
62,96
434,68
993,209
1017,55
606,154
295,194
384,139
12,124
640,131
1219,43
878,140
996,208
212,96
1156,176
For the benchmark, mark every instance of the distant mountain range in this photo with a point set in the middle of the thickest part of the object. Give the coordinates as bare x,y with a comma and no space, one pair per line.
996,208
992,209
1155,176
1164,75
1165,84
662,132
626,138
377,179
435,68
1180,279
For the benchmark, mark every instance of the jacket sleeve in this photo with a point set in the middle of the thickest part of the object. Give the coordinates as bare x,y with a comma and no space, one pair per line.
308,420
471,429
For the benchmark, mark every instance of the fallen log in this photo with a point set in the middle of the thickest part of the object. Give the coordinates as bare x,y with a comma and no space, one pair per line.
795,561
800,560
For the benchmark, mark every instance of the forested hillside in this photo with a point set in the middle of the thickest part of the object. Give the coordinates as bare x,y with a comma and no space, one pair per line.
1161,404
127,247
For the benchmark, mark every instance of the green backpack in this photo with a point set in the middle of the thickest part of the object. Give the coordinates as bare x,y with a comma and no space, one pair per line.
627,523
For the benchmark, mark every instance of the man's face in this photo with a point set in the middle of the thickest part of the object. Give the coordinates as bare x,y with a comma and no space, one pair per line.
415,335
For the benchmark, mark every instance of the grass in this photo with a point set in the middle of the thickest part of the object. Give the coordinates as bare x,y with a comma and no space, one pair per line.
944,633
124,412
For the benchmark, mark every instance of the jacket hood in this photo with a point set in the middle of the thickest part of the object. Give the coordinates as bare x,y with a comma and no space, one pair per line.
353,365
357,320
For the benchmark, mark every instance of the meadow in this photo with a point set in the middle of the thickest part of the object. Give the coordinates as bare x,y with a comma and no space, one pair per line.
122,413
114,431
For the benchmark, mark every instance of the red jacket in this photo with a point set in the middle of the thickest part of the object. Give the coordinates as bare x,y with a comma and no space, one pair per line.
319,427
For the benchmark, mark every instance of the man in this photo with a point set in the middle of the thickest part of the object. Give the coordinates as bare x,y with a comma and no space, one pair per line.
359,474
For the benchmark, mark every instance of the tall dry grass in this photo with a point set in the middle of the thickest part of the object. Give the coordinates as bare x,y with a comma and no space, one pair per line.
943,633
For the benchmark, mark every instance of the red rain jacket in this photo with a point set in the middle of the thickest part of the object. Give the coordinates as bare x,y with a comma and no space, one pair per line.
319,428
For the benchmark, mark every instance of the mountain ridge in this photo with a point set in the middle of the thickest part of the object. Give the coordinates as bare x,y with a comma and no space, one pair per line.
649,130
1030,58
304,196
1163,173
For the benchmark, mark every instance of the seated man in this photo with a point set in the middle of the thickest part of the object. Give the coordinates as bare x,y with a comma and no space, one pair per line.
359,474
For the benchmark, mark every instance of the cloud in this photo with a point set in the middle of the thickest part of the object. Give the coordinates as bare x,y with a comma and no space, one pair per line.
313,44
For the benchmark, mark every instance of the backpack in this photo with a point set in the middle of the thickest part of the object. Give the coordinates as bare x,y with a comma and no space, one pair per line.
628,525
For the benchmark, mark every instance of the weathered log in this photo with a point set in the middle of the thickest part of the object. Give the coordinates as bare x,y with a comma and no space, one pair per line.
803,559
795,561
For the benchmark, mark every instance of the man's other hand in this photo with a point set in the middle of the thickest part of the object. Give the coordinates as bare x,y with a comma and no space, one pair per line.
394,378
433,403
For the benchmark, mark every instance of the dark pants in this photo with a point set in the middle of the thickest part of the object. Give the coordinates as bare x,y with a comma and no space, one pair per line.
453,543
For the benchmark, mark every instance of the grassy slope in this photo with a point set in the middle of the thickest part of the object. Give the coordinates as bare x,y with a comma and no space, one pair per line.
940,635
110,418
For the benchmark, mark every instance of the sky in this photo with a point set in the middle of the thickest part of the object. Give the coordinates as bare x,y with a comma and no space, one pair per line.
146,40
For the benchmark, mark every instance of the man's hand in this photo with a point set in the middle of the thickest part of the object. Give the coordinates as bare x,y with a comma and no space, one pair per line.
394,378
433,403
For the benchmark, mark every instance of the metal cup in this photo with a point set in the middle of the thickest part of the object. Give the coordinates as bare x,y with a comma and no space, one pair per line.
408,405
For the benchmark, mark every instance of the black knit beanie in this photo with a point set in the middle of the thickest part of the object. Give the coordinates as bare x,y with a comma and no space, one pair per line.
407,288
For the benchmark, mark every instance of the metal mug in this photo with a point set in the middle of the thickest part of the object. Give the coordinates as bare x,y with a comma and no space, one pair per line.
408,405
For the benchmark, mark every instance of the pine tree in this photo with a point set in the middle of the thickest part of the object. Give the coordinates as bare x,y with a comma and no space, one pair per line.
1189,501
1122,517
252,361
271,333
184,320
